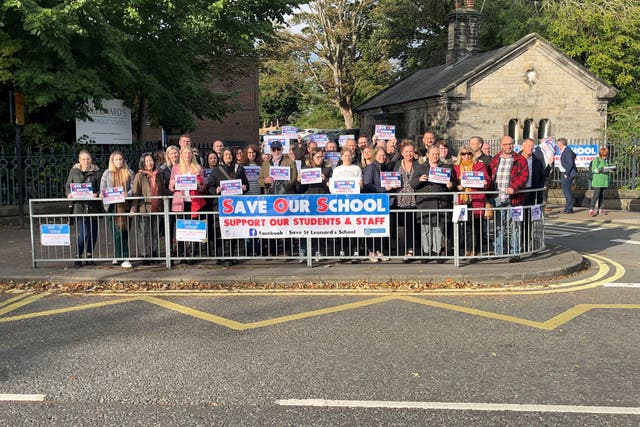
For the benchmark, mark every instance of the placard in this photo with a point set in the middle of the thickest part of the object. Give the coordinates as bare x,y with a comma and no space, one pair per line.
55,235
536,213
206,172
344,185
185,182
113,195
342,139
385,131
290,131
460,213
280,173
470,179
252,172
231,187
191,230
81,190
332,157
517,213
439,175
320,139
390,179
311,176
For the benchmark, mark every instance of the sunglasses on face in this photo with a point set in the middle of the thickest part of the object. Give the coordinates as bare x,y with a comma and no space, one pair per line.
465,154
276,149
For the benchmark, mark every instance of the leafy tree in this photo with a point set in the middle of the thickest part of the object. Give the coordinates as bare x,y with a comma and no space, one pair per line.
331,42
160,57
604,35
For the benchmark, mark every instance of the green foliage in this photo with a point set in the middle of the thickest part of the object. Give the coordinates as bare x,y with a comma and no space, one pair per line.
162,55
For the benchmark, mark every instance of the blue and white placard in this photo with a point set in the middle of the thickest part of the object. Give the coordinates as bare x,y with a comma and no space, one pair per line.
55,235
113,195
185,182
517,213
252,172
344,185
231,187
385,131
390,179
190,230
280,173
81,190
439,175
310,176
471,179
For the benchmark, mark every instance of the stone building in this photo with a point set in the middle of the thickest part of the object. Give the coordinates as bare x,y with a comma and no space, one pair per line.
527,89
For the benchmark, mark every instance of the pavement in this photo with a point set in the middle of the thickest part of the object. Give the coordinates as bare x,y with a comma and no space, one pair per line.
555,262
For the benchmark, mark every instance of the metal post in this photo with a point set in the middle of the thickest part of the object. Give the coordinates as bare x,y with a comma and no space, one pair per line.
634,164
167,232
33,245
309,252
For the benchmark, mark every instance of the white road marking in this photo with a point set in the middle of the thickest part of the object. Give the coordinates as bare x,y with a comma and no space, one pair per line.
22,397
461,406
631,242
622,285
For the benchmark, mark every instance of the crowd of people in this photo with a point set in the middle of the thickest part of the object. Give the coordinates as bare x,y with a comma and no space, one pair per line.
421,221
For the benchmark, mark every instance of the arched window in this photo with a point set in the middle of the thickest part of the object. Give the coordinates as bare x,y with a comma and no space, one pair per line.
528,128
513,129
543,129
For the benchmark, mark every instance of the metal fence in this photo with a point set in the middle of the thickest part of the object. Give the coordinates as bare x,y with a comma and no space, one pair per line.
417,235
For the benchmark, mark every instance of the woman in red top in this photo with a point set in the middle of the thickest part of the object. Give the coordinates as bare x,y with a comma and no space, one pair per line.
473,197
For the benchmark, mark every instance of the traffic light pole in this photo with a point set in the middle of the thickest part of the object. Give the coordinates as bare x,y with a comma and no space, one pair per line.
17,117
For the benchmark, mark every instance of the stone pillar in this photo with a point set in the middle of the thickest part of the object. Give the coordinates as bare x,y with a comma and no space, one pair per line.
464,33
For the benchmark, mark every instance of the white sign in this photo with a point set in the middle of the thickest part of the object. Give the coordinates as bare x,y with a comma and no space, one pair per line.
191,230
280,173
386,131
81,190
110,127
439,175
517,213
390,179
231,187
344,185
270,139
185,182
252,172
471,179
459,213
310,176
113,195
55,235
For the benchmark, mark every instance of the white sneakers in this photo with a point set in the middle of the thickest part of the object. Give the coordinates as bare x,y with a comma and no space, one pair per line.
125,264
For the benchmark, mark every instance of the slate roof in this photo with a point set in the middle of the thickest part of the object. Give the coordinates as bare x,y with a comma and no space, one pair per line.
432,82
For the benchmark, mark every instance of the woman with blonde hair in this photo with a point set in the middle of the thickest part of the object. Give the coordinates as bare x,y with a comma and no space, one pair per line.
187,200
366,158
118,175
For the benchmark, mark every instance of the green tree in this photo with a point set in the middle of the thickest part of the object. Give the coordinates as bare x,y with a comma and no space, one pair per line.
332,40
603,35
160,57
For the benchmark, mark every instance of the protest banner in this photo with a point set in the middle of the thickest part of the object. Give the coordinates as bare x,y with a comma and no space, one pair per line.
342,139
390,179
231,187
81,190
270,139
252,172
332,157
113,195
584,154
471,179
439,175
280,173
310,176
344,185
304,215
185,182
191,230
385,131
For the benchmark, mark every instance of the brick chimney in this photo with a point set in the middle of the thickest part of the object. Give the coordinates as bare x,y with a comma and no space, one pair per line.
464,32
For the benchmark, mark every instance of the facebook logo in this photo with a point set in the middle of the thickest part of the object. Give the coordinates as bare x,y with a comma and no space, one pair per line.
253,232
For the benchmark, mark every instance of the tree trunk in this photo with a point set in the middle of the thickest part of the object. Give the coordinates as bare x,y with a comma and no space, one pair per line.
347,114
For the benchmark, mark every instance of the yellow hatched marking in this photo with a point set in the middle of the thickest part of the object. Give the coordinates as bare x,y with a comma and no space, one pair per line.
22,303
66,310
12,300
232,324
548,325
239,326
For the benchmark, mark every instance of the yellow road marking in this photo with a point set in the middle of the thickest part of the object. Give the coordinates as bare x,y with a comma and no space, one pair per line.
548,325
65,310
14,299
22,303
239,326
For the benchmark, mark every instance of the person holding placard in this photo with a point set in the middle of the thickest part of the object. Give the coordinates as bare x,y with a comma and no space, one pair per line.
473,178
378,178
435,177
600,180
412,174
187,183
83,184
227,179
313,179
252,162
148,183
350,175
509,175
115,186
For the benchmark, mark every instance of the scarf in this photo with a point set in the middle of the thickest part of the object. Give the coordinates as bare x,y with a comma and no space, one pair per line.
153,185
466,166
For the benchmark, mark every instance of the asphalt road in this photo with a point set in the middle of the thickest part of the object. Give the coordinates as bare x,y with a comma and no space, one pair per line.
258,359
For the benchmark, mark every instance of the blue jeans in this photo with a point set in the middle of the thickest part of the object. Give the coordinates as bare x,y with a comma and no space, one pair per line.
87,234
504,220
